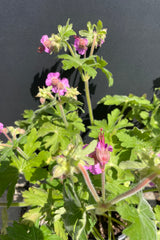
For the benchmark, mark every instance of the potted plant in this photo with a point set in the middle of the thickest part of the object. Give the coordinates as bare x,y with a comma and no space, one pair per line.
77,189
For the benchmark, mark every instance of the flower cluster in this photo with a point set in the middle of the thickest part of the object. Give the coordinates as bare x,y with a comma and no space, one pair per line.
80,45
101,37
58,85
101,155
50,45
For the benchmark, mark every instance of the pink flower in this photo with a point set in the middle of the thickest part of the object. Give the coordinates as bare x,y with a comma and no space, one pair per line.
102,150
1,127
101,155
46,44
80,45
94,169
52,78
58,85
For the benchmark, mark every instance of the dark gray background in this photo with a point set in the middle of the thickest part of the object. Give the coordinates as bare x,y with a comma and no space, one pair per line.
132,46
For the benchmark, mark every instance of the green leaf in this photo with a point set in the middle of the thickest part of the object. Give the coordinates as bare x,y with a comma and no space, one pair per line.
89,70
31,216
87,64
157,212
89,148
59,229
99,25
35,197
66,31
46,128
8,179
142,221
6,154
31,145
131,101
109,76
101,62
70,61
132,165
110,128
48,234
75,216
157,215
23,232
33,168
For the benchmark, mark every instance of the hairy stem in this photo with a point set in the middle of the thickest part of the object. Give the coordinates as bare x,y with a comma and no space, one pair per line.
89,102
85,81
63,115
19,150
6,135
22,153
93,45
103,185
88,182
132,191
70,49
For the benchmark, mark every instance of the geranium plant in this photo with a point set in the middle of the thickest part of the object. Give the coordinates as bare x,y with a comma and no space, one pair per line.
82,190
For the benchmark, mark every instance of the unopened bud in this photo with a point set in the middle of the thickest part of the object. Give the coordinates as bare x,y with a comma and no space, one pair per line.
21,131
42,100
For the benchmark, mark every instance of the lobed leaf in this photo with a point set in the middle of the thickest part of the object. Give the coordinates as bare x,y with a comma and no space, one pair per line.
142,221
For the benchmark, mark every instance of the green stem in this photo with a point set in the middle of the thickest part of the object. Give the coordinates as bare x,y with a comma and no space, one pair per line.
70,49
96,234
6,145
109,226
93,45
88,182
154,189
22,153
114,220
89,102
6,135
90,207
19,150
14,204
85,81
63,115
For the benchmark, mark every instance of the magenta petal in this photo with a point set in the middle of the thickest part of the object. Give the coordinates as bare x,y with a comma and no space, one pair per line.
48,82
65,82
43,39
95,169
1,127
51,75
110,148
61,92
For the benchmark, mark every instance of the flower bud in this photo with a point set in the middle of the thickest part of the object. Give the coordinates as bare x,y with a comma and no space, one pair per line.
42,100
